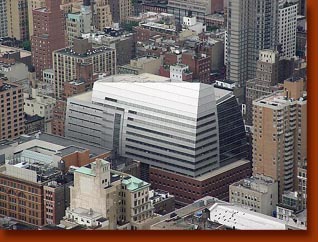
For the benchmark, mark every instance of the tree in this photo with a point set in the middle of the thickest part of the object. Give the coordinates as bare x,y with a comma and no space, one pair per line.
129,26
212,28
26,45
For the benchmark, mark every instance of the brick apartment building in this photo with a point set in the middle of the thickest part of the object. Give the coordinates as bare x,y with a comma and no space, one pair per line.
280,134
49,35
103,60
21,200
83,82
32,191
199,64
17,16
11,109
147,30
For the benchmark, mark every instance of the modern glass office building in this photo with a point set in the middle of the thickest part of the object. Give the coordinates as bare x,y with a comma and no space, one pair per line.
175,126
169,125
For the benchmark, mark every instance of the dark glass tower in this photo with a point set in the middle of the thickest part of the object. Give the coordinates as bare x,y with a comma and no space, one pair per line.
232,135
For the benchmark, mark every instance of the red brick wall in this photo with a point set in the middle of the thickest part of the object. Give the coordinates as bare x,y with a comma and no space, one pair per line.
51,24
76,159
101,156
58,122
164,72
200,66
21,200
186,189
217,5
170,58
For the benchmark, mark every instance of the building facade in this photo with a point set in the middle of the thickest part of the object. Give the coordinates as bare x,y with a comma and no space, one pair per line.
117,197
49,35
232,136
290,209
255,89
12,112
302,185
128,108
22,179
279,134
267,71
21,200
192,141
46,85
17,19
121,10
33,4
66,62
201,8
141,65
33,123
42,106
187,189
260,194
251,26
287,27
3,19
78,23
66,5
103,15
83,83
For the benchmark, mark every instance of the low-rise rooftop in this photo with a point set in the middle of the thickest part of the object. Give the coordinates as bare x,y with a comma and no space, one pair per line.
278,100
6,86
134,184
89,53
32,118
222,169
259,184
145,77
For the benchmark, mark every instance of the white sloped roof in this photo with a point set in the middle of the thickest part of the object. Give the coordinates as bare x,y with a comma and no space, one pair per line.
183,98
243,219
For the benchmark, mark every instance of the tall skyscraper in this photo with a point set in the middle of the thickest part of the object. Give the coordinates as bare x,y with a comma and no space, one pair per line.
251,26
49,35
287,28
17,17
3,19
279,134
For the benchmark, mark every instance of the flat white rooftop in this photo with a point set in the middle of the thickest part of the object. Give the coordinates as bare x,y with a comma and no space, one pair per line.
86,96
23,53
221,94
234,216
145,77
